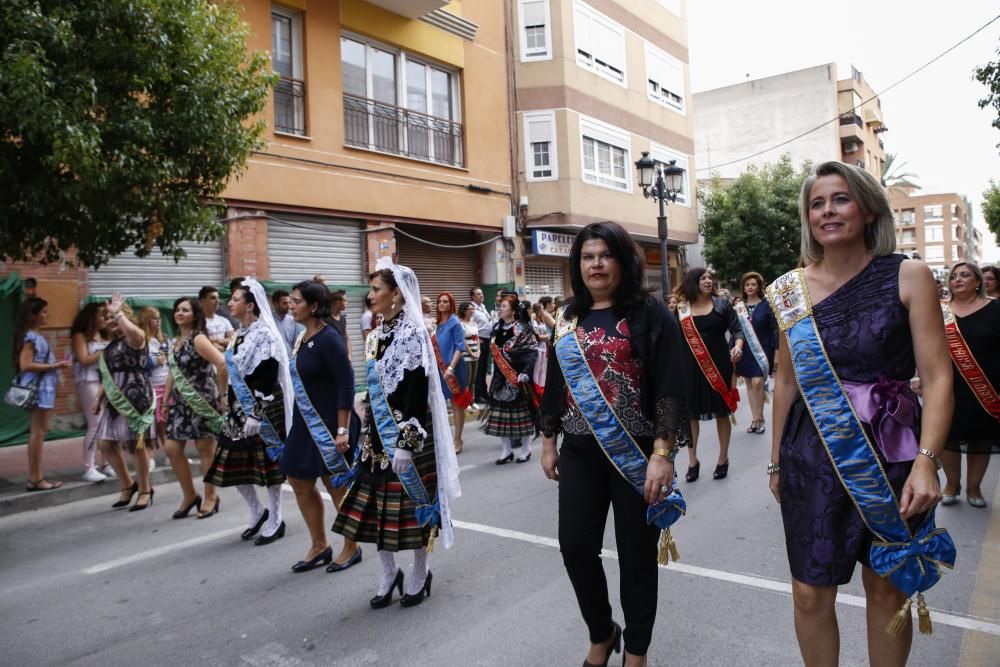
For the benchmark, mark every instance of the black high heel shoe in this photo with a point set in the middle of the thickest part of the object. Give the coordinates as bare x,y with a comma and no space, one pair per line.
721,470
254,529
124,502
202,514
417,598
137,507
505,459
616,647
324,558
267,539
181,514
383,601
760,426
693,471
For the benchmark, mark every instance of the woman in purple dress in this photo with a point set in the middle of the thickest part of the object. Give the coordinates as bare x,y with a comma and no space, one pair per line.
866,301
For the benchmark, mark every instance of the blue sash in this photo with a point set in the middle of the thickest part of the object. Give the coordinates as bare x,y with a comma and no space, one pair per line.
428,513
334,460
615,441
911,561
751,336
273,444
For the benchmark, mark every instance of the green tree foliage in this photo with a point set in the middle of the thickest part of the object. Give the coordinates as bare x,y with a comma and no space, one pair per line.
753,223
119,120
894,178
991,208
989,76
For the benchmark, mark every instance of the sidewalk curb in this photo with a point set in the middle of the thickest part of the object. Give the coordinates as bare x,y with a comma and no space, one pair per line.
29,501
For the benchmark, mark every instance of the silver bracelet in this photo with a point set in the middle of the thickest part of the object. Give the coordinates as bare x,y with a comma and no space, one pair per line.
773,468
932,456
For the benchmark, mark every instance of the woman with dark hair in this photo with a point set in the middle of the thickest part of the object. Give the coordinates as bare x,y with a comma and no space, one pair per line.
260,404
126,421
196,401
854,462
470,329
34,363
449,345
972,325
407,475
324,428
991,282
705,318
760,332
88,336
510,412
614,370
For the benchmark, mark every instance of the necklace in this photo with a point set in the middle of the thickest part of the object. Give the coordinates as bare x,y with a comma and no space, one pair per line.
307,338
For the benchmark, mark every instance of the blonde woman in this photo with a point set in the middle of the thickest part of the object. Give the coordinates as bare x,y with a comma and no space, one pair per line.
159,347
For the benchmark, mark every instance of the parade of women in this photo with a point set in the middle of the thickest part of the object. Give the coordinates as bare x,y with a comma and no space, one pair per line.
881,400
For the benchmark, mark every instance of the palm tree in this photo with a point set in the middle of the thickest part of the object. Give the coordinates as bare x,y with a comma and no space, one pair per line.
894,178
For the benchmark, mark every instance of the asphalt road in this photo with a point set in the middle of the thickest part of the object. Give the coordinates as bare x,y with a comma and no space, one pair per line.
81,584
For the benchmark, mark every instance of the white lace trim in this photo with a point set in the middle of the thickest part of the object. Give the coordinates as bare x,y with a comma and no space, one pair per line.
406,353
258,345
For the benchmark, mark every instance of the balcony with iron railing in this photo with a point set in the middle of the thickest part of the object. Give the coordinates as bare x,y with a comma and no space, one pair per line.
290,106
852,127
387,128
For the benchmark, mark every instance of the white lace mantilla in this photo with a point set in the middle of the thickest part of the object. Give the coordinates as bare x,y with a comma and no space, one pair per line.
258,345
406,352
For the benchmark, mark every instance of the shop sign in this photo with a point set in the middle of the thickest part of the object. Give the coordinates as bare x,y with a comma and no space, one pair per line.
551,243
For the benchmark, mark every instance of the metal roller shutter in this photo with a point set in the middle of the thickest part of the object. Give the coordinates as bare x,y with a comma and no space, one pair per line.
331,247
454,270
156,276
543,280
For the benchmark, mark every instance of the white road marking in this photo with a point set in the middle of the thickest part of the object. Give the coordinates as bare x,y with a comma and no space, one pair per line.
160,551
938,616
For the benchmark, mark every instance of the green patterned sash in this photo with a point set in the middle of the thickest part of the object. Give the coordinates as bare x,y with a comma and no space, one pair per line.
137,423
193,397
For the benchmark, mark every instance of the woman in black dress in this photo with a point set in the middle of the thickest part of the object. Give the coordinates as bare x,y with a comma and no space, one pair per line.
194,415
257,358
327,396
510,414
974,431
379,508
125,405
634,350
712,316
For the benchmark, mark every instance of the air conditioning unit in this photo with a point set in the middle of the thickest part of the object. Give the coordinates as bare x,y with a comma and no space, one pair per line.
850,146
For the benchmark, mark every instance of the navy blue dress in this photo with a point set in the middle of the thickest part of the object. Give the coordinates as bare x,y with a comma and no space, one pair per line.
866,332
766,329
328,378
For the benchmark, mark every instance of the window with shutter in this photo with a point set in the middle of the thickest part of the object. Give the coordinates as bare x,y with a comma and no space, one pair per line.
665,78
600,43
541,163
536,31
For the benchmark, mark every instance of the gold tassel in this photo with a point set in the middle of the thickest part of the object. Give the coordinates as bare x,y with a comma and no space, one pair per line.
732,418
141,442
668,548
430,540
672,545
899,620
924,616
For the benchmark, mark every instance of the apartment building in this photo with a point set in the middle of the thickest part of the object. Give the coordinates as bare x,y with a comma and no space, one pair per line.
388,135
597,83
937,228
754,117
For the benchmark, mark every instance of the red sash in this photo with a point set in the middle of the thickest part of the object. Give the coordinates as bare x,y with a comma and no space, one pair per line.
511,375
967,365
461,398
704,359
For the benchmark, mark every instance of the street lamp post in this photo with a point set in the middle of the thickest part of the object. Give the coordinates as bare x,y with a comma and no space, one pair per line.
662,183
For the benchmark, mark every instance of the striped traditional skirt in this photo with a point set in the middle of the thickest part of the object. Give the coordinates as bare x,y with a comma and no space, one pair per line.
377,509
243,462
508,420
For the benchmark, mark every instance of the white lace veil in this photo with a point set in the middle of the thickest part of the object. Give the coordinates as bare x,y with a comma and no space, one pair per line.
281,352
444,446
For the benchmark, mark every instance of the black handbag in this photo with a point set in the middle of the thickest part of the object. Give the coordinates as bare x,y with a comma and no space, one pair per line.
24,396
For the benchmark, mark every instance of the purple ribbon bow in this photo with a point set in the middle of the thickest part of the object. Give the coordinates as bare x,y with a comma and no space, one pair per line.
892,410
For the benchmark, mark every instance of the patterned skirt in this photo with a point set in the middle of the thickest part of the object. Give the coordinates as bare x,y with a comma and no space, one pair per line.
508,420
115,429
243,462
377,509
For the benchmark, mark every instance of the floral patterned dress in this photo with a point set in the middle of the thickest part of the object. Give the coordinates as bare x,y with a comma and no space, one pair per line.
127,366
182,421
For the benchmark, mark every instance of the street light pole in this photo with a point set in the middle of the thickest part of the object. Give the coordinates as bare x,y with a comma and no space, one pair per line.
662,183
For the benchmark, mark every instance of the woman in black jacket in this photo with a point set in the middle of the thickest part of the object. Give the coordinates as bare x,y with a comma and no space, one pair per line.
705,318
634,353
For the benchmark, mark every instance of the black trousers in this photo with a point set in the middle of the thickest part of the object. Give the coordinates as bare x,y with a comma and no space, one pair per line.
588,486
479,386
